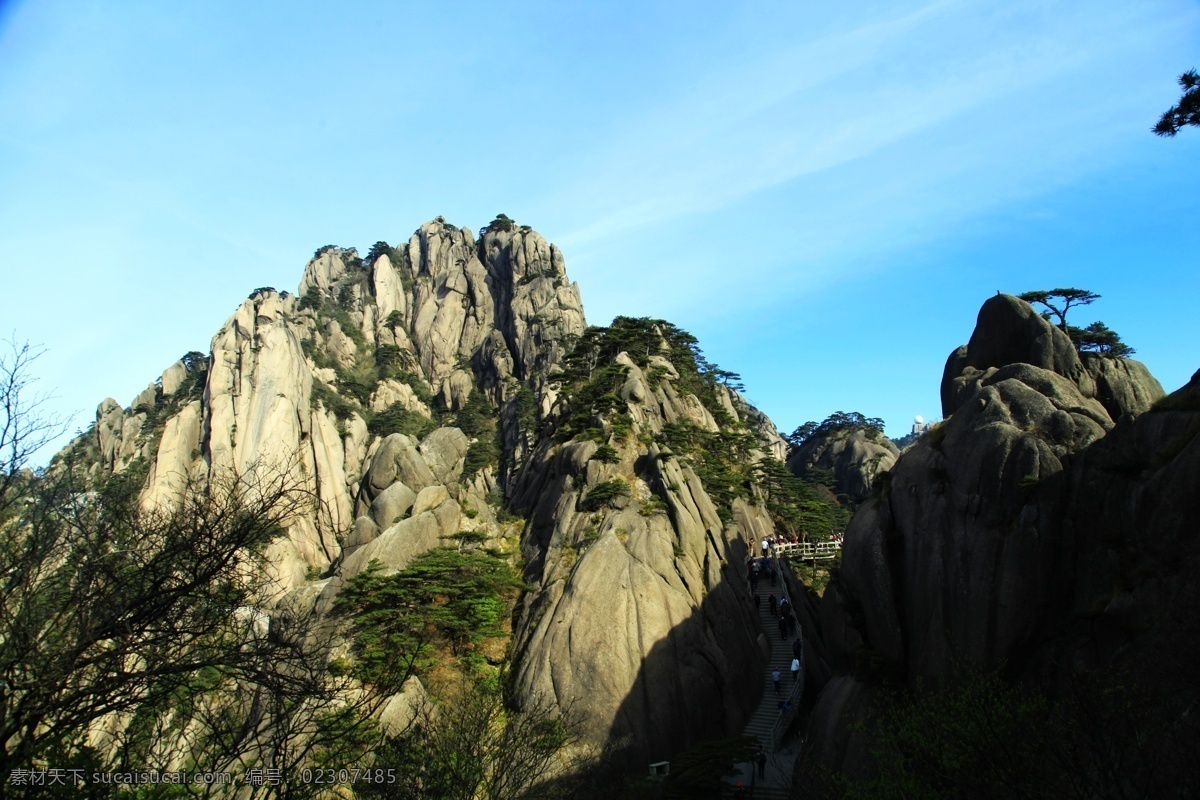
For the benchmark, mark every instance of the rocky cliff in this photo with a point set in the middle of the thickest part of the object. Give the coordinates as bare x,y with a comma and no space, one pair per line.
1043,524
854,457
636,545
440,385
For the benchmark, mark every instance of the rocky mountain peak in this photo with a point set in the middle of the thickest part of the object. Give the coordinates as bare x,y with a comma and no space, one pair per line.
429,390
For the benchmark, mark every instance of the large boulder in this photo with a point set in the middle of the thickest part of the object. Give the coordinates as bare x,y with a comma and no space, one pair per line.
404,541
954,567
443,452
1123,386
1010,331
854,456
392,504
1027,532
397,460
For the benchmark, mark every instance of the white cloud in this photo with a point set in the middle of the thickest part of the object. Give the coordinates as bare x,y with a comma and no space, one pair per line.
827,103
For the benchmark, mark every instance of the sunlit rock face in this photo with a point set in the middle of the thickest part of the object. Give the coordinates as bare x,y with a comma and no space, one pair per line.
855,457
633,620
638,618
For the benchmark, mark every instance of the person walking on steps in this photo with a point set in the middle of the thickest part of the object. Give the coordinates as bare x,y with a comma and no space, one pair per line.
776,677
772,603
762,763
795,670
783,628
797,648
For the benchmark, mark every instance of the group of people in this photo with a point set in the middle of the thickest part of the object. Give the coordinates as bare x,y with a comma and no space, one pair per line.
777,674
767,569
768,544
786,617
762,569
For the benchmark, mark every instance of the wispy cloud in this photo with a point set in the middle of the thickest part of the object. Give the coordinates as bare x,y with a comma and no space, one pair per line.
832,101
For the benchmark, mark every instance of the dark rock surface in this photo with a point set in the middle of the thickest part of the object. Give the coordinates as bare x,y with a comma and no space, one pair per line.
854,456
1123,386
1027,532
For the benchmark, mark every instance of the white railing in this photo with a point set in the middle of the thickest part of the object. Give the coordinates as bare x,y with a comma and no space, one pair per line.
808,550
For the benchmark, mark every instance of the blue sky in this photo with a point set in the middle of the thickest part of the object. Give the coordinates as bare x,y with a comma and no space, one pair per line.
823,196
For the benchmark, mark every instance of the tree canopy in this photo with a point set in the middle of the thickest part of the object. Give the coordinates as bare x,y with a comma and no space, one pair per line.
1187,111
837,421
1099,338
1095,338
1059,301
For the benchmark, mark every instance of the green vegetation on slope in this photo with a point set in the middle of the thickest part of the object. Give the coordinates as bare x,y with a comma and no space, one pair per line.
445,600
838,421
725,460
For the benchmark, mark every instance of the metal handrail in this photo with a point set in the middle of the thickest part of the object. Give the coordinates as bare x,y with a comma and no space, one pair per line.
793,697
793,700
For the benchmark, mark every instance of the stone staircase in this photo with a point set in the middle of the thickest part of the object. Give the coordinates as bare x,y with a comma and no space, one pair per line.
767,713
777,783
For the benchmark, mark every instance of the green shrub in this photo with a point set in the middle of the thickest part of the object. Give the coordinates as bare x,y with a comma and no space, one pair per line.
622,425
500,223
604,493
606,454
652,506
378,249
476,416
442,598
398,419
483,453
353,263
319,355
359,383
333,402
348,327
312,299
392,362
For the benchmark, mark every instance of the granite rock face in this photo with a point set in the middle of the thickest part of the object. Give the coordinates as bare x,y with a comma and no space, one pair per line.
1045,522
955,563
448,312
632,620
1123,386
1131,546
855,457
